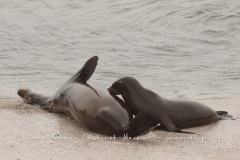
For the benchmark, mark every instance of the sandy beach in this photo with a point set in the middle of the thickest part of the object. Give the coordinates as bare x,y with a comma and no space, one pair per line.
182,49
27,132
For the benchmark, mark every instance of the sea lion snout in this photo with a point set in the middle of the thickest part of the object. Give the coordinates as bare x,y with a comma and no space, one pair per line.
112,91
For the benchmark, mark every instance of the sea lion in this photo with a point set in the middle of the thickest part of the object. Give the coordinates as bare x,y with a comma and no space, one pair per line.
92,106
171,114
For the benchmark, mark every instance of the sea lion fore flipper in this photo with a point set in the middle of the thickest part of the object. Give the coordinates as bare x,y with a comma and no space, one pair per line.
171,127
136,127
87,70
83,75
140,125
92,89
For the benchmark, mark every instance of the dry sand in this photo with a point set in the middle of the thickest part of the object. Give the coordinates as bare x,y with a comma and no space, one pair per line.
27,133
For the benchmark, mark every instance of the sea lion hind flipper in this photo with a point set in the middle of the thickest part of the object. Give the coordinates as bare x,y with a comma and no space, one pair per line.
221,112
23,92
223,115
45,103
30,97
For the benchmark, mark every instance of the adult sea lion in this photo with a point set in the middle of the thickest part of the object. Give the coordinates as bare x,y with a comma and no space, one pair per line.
90,105
171,114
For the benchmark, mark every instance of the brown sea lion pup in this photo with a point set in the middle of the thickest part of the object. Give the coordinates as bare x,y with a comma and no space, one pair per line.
173,115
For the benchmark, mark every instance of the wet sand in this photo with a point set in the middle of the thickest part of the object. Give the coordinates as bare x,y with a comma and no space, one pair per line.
27,132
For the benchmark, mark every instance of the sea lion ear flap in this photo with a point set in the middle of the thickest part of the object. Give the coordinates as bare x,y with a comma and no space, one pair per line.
87,70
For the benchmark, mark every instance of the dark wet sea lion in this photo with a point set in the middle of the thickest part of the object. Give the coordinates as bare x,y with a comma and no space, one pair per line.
91,105
171,114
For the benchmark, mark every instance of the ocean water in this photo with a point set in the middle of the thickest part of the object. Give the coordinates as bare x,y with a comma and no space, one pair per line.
183,49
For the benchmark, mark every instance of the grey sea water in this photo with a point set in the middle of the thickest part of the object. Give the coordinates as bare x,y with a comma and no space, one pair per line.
183,49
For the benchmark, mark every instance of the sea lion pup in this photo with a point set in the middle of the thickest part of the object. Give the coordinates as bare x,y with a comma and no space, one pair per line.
171,114
90,105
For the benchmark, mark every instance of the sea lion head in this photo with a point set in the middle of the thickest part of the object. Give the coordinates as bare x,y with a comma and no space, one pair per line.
124,86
